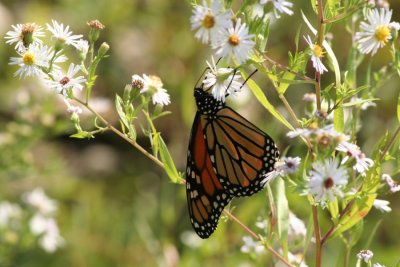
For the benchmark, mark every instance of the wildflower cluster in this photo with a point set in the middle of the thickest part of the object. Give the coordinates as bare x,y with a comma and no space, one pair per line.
42,224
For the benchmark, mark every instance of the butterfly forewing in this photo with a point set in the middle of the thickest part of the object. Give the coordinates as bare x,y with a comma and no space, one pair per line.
206,196
241,153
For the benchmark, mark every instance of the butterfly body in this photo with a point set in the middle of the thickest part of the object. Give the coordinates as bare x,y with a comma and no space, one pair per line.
227,157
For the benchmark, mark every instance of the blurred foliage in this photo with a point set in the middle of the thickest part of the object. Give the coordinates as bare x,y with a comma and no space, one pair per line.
116,207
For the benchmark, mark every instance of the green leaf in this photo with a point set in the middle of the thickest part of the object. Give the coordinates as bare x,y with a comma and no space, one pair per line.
398,108
282,211
338,119
119,103
258,93
168,162
82,135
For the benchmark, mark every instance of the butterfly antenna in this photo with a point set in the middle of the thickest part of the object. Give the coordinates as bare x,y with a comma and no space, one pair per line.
202,74
230,83
245,81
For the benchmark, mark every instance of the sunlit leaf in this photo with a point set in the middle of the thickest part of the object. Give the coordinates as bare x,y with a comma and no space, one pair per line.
168,162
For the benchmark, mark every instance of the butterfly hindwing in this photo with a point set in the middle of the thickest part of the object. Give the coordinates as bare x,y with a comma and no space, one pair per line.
241,153
206,196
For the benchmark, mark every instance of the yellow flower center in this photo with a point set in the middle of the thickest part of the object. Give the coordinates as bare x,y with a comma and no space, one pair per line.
208,21
318,51
155,83
234,39
28,58
382,34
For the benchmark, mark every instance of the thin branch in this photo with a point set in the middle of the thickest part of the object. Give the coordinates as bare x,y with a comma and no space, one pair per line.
257,237
318,244
123,136
321,38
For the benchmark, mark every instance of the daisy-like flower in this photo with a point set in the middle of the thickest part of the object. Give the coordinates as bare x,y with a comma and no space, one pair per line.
82,46
48,229
377,31
223,81
317,53
153,85
353,151
24,35
326,180
382,205
31,60
282,167
63,83
252,246
63,35
280,6
393,186
235,41
209,21
365,255
39,200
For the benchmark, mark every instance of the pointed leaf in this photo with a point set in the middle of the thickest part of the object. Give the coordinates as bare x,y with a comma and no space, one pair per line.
168,162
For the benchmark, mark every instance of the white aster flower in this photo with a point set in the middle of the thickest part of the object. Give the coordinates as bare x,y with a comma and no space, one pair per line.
261,223
209,21
223,81
82,46
326,180
8,212
62,34
353,151
280,6
365,255
382,205
24,35
251,246
393,186
317,53
64,83
323,136
31,60
235,42
50,235
40,201
377,32
153,85
71,108
282,167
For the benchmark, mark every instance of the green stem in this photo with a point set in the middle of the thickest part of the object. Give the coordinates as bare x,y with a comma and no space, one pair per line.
321,28
390,143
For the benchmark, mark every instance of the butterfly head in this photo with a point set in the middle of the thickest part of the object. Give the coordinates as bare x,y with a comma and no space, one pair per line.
206,103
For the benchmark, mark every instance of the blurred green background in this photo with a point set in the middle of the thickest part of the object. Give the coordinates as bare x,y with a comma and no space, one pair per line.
116,207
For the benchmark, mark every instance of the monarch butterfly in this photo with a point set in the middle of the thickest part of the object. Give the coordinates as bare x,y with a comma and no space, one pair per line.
227,157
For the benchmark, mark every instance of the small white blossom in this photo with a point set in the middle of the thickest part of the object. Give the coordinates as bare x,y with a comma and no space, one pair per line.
280,6
209,21
365,255
297,228
393,186
353,151
63,83
382,205
47,228
282,167
323,136
39,200
309,97
82,46
377,32
24,35
223,81
317,53
293,259
64,35
8,212
262,223
235,42
72,108
31,60
251,246
153,85
326,180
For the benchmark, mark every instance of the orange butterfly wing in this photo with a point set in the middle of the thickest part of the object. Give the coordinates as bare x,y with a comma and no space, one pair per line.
206,196
241,153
